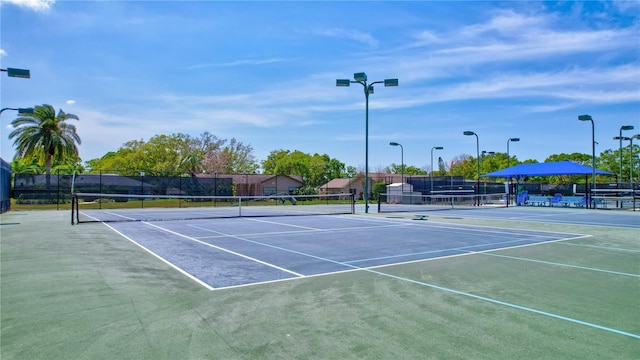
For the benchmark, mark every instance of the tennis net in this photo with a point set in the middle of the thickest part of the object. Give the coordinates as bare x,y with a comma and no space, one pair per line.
96,207
420,203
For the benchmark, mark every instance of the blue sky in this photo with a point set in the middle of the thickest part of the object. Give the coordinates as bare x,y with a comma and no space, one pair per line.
264,72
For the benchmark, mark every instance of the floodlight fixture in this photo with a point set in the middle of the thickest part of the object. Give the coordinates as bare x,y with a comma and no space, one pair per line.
21,111
19,73
390,82
360,76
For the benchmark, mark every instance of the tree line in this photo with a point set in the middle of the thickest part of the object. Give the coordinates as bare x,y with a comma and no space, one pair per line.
46,141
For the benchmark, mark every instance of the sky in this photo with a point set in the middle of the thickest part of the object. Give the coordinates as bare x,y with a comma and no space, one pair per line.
264,73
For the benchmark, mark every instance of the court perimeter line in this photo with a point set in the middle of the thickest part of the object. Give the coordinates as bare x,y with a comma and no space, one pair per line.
377,272
458,292
604,247
557,264
515,306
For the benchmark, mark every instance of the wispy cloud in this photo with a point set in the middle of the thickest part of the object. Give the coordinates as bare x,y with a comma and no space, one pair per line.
350,34
37,5
245,62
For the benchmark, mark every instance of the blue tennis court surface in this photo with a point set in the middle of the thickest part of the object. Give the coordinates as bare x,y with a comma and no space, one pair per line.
223,253
579,216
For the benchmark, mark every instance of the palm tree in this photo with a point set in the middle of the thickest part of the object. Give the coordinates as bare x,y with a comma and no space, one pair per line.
46,137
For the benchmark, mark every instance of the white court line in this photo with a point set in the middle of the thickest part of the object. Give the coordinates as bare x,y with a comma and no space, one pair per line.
225,250
603,247
313,230
207,286
557,264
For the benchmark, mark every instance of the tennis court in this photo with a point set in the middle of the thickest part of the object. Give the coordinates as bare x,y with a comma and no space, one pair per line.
497,283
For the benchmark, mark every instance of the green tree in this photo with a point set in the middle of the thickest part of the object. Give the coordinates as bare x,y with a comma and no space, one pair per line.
239,158
26,166
179,153
271,162
609,160
351,171
47,137
315,169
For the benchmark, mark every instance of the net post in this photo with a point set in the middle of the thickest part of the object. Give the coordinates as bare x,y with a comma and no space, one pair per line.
353,202
73,207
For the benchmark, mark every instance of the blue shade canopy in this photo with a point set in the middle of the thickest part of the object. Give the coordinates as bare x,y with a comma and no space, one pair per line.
546,169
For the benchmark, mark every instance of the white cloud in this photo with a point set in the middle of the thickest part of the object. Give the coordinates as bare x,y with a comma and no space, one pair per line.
71,102
238,63
3,53
37,5
350,34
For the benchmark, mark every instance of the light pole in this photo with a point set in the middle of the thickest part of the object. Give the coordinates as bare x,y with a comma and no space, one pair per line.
508,156
510,140
623,127
485,179
431,177
469,133
625,138
361,78
393,143
593,152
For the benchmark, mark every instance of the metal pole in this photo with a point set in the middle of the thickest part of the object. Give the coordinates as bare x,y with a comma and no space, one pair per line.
366,148
402,167
478,158
631,161
593,159
431,177
620,149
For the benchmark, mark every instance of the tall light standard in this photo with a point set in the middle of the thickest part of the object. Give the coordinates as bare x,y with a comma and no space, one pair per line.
361,78
508,159
623,127
593,153
625,138
431,177
483,155
469,133
510,140
393,143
